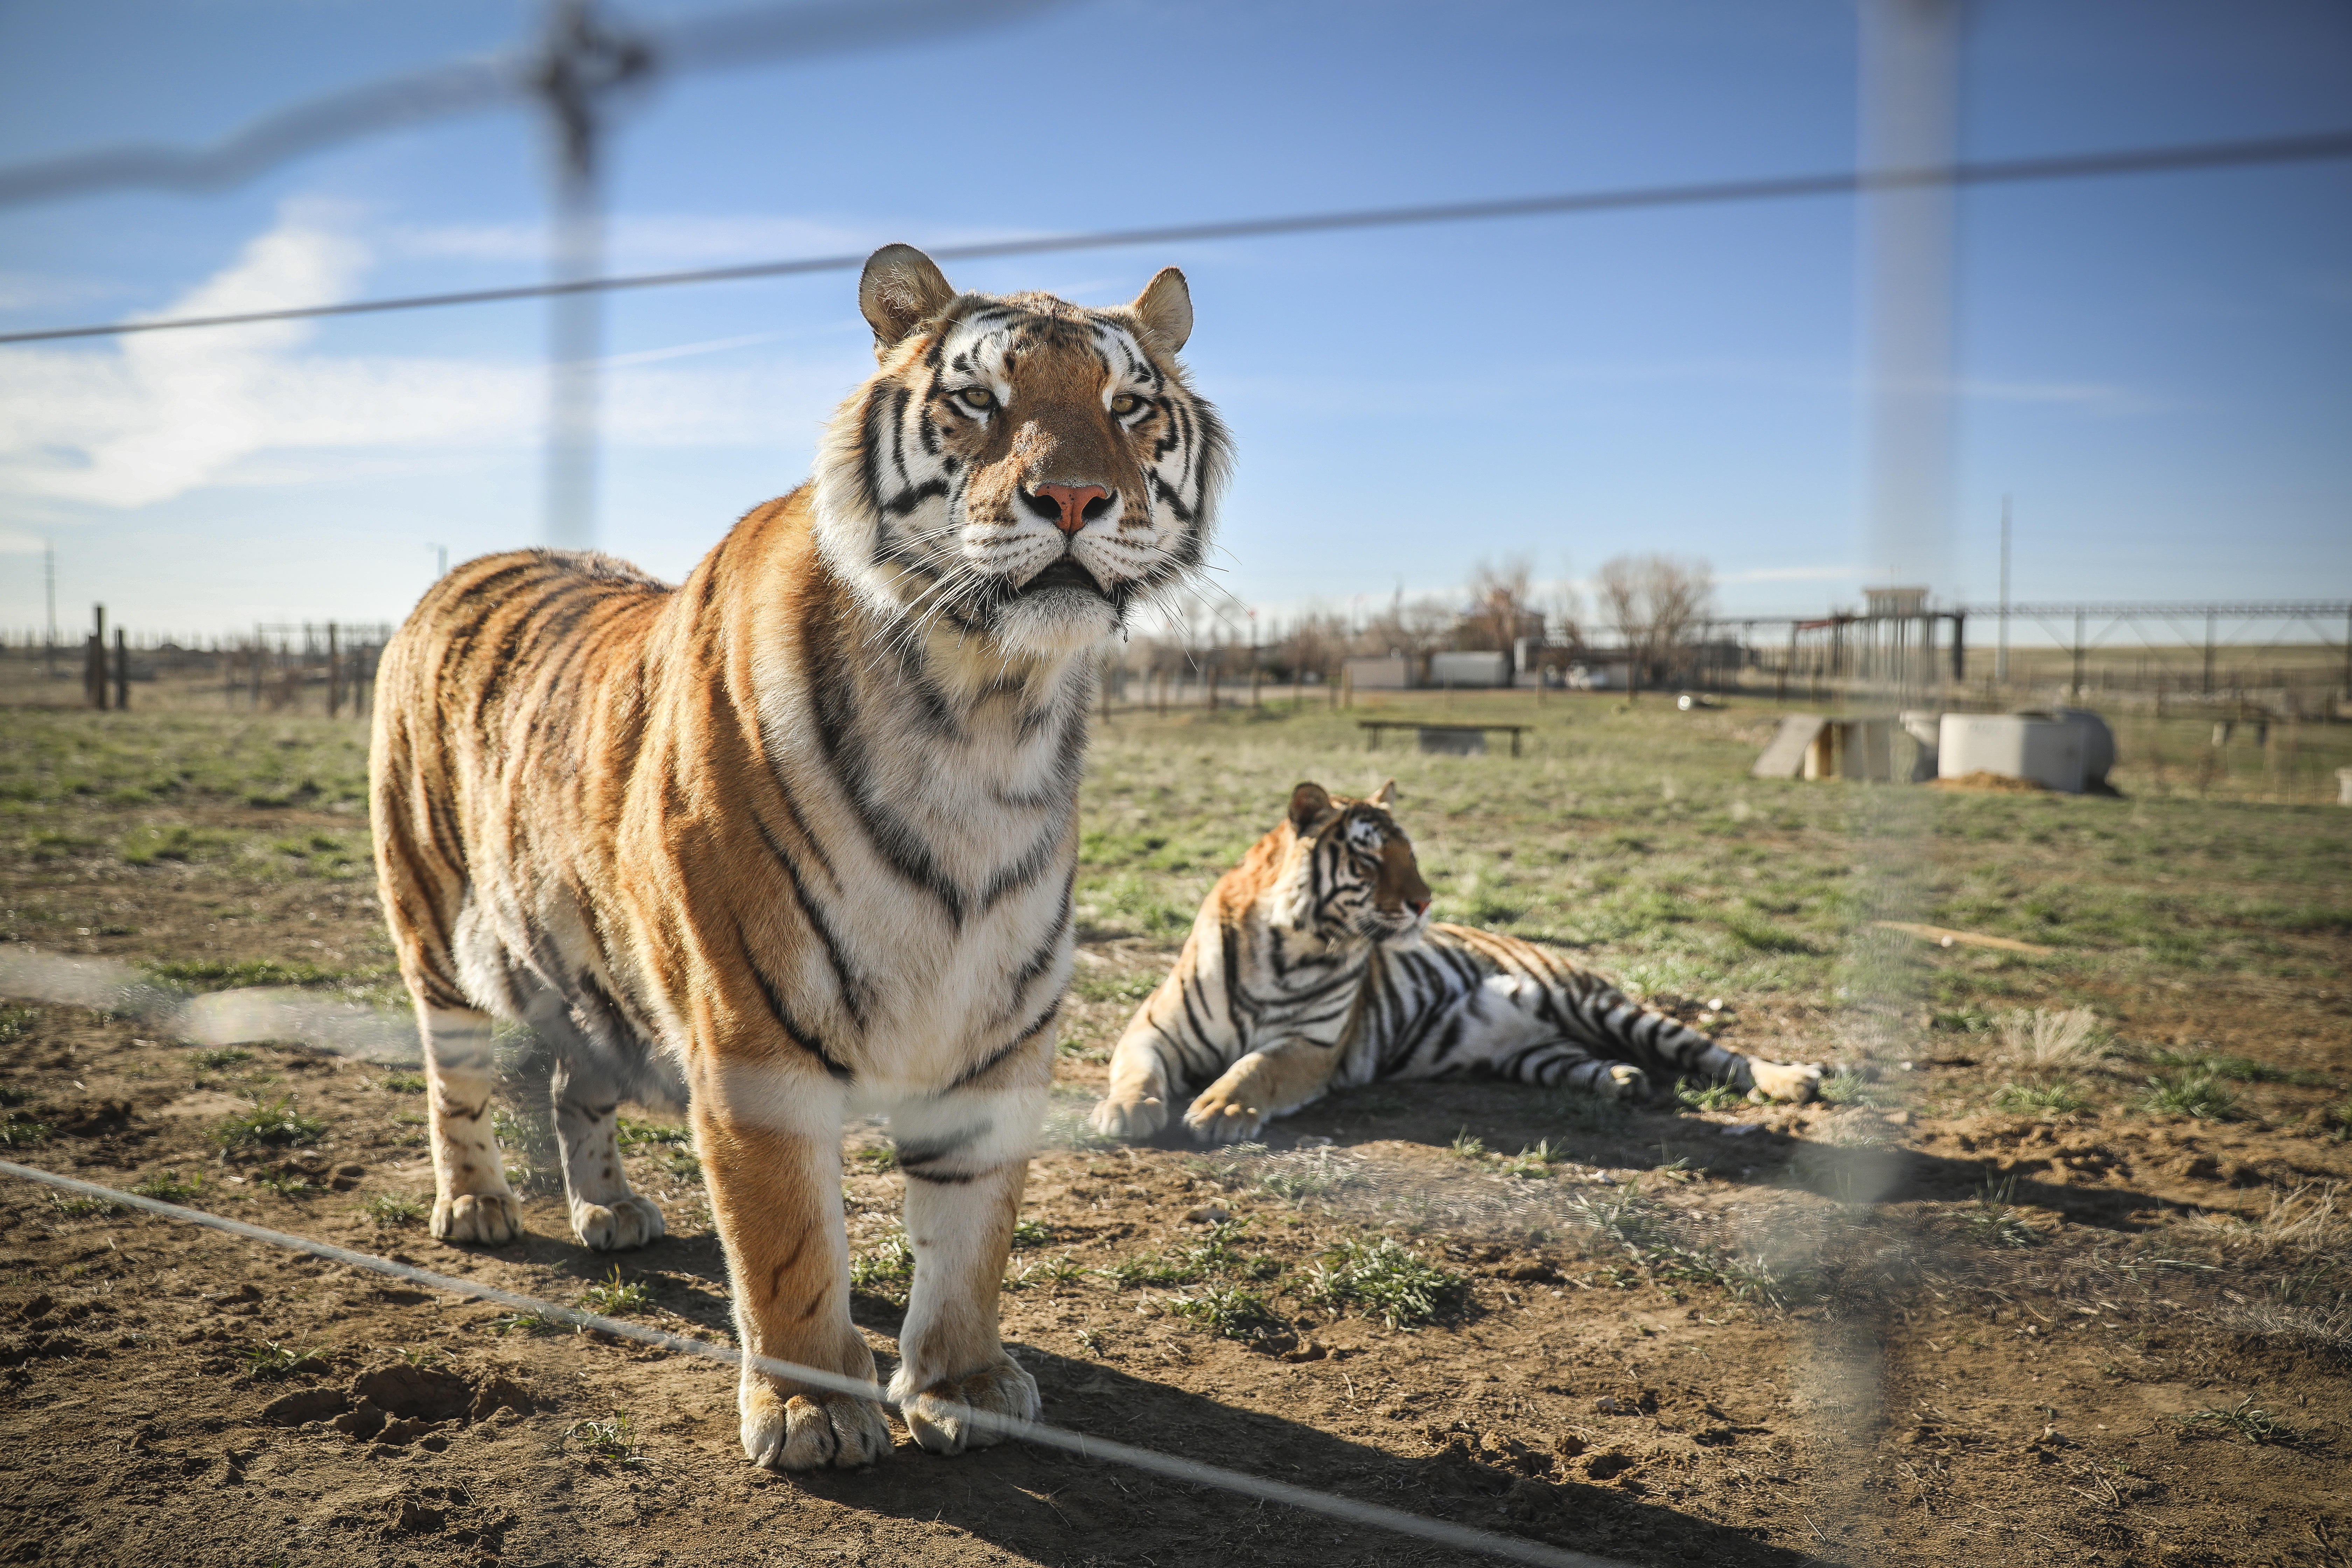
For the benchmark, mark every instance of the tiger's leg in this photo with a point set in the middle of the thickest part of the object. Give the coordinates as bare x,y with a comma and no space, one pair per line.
1569,1066
1260,1087
966,1158
605,1214
1142,1083
1670,1049
770,1138
471,1199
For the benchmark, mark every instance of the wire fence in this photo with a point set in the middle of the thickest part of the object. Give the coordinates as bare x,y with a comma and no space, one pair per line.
1101,1450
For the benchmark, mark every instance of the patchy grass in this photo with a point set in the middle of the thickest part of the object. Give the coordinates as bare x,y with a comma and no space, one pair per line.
1991,1221
402,1083
2242,1420
631,1133
1229,1312
271,1124
287,1184
22,1131
395,1209
1708,1096
613,1439
2038,1039
614,1296
530,1323
76,1206
220,1057
220,974
2190,1094
172,1187
2041,1099
1383,1279
886,1270
271,1360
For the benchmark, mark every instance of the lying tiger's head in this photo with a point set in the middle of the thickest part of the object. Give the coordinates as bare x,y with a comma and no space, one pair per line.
1350,870
1021,469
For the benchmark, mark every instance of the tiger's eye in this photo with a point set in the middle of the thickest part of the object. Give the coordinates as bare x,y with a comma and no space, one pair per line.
1125,403
977,397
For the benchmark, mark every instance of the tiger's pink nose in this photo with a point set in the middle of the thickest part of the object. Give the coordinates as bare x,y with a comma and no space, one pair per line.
1077,503
1418,906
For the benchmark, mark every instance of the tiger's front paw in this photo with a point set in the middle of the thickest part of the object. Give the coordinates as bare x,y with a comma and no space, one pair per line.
478,1219
1218,1116
631,1222
1784,1080
940,1415
1118,1117
1624,1082
810,1431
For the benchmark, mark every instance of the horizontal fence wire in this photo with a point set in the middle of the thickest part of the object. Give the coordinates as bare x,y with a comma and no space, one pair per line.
2275,150
1191,1472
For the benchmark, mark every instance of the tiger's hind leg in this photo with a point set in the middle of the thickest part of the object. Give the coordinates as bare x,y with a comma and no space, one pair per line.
1563,1063
607,1215
471,1200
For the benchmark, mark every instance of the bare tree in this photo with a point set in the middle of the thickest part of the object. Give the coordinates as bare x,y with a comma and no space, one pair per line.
1659,603
1500,614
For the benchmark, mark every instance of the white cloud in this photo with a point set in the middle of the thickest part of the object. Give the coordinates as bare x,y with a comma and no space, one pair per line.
643,241
151,416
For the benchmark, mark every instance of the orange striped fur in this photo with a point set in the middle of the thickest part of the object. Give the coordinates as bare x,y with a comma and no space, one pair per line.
795,839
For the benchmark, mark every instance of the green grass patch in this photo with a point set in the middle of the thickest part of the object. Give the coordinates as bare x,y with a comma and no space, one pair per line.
271,1124
612,1295
612,1440
1229,1312
2199,1095
15,1024
535,1324
1709,1096
1114,988
2039,1099
2242,1420
226,975
631,1133
172,1187
75,1206
289,1186
220,1057
402,1083
886,1270
1383,1279
22,1131
271,1360
395,1209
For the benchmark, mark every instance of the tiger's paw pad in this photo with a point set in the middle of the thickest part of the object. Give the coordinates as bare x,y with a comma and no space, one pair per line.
1115,1118
631,1222
810,1431
478,1219
1623,1082
1216,1119
1795,1082
939,1416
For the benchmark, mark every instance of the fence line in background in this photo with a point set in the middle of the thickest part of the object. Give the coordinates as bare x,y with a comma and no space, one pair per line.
1191,1472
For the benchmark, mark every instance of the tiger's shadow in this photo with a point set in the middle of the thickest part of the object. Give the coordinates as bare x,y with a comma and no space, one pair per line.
1657,1143
1052,1506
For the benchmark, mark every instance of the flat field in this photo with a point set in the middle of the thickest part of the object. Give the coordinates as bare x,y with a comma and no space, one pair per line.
2058,1274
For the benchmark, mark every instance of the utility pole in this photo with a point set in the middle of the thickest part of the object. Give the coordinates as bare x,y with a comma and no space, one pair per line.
585,59
2001,658
50,574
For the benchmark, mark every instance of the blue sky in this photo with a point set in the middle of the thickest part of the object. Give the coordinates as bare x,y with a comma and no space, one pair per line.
2160,369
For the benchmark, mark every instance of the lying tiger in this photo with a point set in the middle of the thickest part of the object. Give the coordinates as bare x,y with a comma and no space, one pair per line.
1313,965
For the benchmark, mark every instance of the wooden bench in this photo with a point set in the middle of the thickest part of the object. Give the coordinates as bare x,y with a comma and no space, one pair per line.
1372,728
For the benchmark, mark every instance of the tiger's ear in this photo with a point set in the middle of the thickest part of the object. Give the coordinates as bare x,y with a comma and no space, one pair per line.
1166,307
1383,796
899,290
1308,801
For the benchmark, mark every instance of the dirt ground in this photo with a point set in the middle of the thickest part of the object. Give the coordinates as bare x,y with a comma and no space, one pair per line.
1906,1328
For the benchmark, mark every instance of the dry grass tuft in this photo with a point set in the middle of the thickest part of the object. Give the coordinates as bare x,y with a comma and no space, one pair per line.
2041,1040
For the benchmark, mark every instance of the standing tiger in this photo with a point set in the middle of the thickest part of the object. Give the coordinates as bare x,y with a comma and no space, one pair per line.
1313,965
794,840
